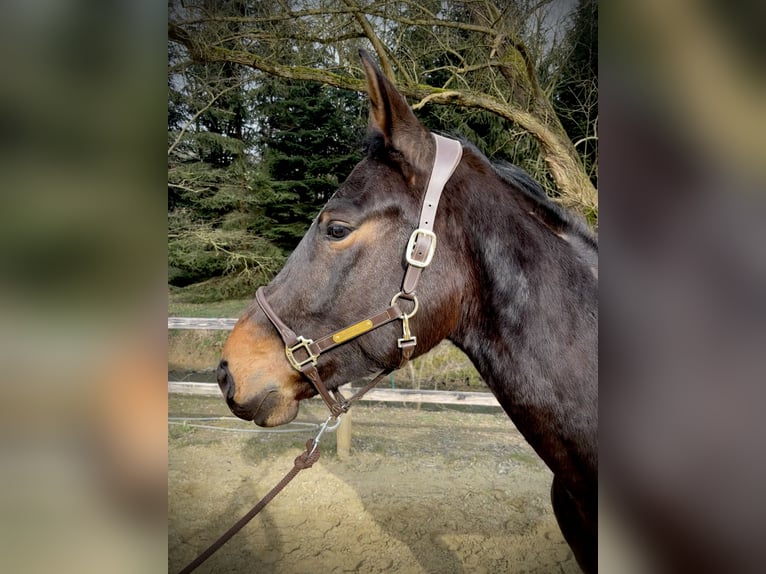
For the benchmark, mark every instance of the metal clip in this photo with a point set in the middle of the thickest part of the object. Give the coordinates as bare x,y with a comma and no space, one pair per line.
325,427
407,339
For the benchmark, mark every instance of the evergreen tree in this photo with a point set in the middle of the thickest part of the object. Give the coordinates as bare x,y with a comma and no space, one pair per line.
212,185
309,137
250,165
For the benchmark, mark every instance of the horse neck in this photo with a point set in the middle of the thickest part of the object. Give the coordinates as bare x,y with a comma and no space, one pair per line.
529,322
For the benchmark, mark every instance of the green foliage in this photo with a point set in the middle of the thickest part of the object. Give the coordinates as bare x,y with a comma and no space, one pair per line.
219,289
240,198
309,139
201,251
214,249
179,307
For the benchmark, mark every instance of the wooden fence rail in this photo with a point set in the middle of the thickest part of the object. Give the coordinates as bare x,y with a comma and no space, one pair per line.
375,395
211,324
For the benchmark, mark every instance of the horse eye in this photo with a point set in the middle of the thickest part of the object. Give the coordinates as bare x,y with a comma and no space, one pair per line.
337,232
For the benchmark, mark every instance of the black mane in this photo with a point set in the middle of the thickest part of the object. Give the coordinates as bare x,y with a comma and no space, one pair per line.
543,207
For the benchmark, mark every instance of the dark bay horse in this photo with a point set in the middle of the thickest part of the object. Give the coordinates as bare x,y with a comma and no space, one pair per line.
513,283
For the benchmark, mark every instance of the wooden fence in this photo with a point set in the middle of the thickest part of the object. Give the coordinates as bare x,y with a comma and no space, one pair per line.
376,395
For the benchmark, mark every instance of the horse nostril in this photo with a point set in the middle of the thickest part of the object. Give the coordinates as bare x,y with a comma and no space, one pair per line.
225,380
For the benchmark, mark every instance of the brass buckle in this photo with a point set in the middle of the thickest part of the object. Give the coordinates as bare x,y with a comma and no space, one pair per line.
411,246
302,343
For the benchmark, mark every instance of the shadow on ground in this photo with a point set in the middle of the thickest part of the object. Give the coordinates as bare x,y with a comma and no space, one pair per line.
423,491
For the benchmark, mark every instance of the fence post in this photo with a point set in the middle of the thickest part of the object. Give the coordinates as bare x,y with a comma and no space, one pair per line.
343,436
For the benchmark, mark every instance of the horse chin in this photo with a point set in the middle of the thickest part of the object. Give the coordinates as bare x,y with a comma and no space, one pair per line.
275,410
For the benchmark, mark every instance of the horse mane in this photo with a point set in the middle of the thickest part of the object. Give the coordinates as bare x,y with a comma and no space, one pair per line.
541,206
551,213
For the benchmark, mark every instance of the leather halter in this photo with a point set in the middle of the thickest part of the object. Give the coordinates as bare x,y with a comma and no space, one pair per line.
303,353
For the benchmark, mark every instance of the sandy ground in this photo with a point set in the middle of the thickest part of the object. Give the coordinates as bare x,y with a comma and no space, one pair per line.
424,491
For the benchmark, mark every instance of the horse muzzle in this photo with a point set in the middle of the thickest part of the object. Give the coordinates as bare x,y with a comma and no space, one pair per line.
267,408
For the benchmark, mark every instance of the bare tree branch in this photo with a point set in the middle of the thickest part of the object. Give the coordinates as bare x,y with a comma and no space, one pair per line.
196,116
488,64
377,45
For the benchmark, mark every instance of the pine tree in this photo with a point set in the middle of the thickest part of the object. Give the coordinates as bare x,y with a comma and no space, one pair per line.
310,140
213,182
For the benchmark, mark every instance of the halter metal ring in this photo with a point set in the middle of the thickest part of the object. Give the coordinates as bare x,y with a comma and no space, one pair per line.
409,298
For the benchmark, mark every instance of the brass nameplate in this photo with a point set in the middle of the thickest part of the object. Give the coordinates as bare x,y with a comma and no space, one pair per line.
352,331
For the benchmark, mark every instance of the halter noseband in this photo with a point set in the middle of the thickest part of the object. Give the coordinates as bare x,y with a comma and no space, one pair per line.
303,353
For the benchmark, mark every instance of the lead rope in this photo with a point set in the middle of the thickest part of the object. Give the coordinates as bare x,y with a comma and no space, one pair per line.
304,460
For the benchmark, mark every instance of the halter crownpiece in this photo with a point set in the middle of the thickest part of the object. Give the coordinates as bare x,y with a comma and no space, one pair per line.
422,243
303,353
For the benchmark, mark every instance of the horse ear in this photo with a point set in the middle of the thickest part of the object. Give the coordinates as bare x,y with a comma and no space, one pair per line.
391,115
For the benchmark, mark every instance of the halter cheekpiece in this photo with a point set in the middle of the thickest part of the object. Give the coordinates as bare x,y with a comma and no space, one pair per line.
303,353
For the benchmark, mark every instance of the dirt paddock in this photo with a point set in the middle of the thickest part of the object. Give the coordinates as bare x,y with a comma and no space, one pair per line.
424,491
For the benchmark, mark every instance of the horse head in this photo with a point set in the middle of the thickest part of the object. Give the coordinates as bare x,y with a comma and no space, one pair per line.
350,264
